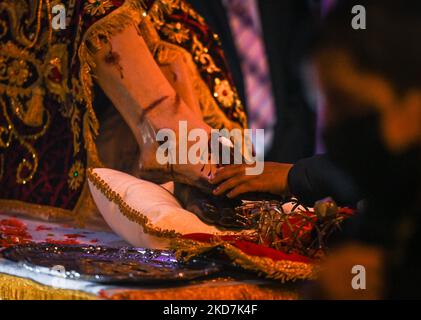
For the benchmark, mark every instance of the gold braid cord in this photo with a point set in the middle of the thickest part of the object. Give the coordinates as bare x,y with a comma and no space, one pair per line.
131,12
134,12
130,213
283,270
280,270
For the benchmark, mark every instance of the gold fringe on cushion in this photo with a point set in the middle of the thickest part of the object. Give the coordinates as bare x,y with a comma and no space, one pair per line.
280,270
132,12
283,270
16,288
130,213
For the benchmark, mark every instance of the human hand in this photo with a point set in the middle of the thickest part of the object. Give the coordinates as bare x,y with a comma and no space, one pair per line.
233,179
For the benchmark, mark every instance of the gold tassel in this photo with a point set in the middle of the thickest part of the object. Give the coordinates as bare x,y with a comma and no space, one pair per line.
129,212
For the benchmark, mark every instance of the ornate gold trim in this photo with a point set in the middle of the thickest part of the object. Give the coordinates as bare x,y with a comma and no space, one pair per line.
16,288
131,12
9,49
162,51
283,270
130,213
165,53
34,210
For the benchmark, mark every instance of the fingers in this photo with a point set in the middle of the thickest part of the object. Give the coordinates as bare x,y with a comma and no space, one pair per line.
229,184
213,171
227,172
239,189
208,170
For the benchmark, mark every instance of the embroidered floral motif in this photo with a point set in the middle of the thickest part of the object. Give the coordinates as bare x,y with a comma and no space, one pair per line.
205,49
18,72
56,71
76,175
176,32
98,7
224,93
19,80
201,55
58,88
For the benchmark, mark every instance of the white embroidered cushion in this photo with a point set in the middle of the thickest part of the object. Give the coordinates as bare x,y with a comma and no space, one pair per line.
141,212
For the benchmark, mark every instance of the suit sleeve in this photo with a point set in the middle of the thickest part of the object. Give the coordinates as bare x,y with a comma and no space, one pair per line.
315,178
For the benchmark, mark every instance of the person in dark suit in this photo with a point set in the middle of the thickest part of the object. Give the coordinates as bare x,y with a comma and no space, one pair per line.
282,27
373,132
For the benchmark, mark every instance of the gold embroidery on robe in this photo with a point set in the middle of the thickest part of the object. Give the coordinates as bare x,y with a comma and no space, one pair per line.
31,81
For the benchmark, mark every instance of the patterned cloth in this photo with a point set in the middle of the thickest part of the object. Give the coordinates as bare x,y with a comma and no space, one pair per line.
17,282
48,122
246,28
16,230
